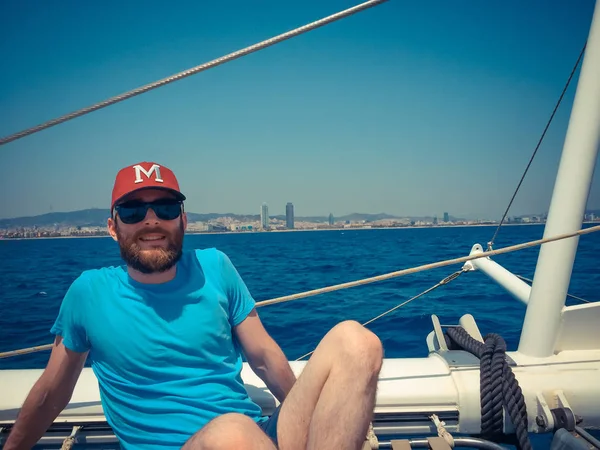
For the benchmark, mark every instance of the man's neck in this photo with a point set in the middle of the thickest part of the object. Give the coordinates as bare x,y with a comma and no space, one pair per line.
153,278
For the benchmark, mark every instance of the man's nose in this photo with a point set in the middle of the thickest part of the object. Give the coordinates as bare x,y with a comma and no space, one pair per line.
151,217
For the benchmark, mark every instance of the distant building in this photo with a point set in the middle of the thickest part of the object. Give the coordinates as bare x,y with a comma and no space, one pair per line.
289,216
446,217
264,216
435,220
331,221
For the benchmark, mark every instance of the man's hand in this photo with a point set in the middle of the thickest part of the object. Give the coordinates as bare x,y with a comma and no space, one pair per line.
265,357
48,397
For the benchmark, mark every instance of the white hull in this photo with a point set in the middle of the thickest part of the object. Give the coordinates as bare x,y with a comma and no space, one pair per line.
446,383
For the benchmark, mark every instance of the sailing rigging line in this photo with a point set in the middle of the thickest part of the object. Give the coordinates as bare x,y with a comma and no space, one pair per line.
186,73
446,280
491,243
387,276
568,295
425,267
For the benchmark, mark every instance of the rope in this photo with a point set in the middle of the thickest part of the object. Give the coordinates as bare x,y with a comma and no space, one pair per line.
195,70
588,437
364,281
499,387
371,439
25,351
424,267
446,280
568,295
491,243
442,432
70,441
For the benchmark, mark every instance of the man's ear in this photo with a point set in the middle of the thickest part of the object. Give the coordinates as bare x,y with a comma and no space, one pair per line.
112,228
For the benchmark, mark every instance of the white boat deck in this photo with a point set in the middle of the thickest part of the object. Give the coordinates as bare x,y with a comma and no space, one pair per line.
409,391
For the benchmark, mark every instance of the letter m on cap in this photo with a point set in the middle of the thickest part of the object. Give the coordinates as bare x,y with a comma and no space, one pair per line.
139,170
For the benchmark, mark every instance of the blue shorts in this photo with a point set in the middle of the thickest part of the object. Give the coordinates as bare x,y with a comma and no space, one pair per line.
269,426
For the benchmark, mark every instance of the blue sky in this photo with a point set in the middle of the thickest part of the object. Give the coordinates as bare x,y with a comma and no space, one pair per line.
412,108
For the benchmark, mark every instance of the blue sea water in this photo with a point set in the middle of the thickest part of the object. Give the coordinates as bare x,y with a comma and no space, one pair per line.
35,274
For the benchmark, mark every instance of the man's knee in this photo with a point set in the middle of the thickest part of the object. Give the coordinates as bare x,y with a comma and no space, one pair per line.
229,431
358,343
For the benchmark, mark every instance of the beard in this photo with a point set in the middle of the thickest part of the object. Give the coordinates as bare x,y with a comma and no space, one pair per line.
155,260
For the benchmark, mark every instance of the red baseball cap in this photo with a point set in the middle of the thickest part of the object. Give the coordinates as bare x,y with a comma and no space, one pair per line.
144,175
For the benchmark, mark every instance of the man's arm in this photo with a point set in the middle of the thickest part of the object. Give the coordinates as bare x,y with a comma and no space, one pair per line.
48,397
265,357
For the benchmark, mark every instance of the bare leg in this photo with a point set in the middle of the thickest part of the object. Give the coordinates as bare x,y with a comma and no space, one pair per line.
230,432
332,403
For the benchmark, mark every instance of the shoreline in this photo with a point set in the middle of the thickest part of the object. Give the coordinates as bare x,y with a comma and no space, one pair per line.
411,227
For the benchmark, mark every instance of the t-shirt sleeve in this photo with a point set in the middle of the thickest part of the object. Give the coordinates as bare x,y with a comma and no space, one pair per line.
241,302
70,324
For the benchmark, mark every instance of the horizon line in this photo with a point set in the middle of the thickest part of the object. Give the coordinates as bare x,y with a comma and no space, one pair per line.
326,215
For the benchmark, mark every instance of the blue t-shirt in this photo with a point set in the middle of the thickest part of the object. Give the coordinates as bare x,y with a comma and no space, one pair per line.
164,354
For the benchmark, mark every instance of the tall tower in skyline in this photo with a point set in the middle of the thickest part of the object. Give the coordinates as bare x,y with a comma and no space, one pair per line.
264,216
446,217
289,216
331,221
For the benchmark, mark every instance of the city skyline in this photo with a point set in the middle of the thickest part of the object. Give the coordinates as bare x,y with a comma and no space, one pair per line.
289,215
395,109
88,224
92,222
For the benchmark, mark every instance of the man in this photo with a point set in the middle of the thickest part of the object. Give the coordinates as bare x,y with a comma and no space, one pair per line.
165,335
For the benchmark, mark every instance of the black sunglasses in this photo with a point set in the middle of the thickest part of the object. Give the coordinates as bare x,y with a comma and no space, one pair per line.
135,211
